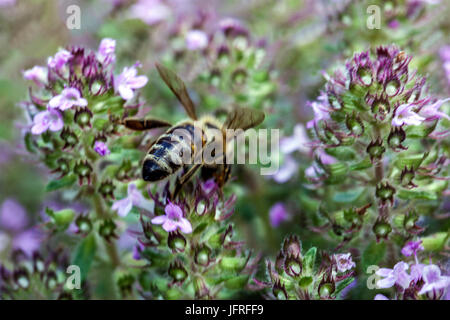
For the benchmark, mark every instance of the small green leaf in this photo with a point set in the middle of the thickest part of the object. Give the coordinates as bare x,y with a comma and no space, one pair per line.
343,284
309,259
84,255
64,182
435,242
237,282
348,196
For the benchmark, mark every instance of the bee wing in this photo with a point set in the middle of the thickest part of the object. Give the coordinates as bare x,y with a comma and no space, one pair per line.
141,124
177,86
243,118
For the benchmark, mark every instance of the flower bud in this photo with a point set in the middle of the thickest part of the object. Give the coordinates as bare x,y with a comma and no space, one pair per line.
106,189
239,76
380,107
395,138
326,288
83,169
176,241
279,262
385,192
279,291
202,255
177,271
354,125
83,117
292,246
21,278
125,283
69,137
410,223
51,280
107,229
293,265
83,224
382,229
62,166
406,178
375,149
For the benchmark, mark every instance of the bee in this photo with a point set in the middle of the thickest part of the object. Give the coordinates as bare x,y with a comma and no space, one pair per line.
164,158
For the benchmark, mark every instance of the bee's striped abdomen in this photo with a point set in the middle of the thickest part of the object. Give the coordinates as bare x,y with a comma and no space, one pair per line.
170,152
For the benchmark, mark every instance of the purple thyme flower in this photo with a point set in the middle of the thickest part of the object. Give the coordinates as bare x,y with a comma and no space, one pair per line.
431,111
434,282
287,170
196,40
278,214
412,247
417,272
344,261
127,81
296,142
68,98
173,219
13,216
101,148
397,275
404,115
150,11
134,198
45,120
37,74
59,60
106,51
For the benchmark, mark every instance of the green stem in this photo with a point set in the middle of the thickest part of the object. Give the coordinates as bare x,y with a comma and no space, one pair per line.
99,205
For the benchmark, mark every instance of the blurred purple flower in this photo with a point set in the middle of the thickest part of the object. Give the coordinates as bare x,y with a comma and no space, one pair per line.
134,198
278,214
13,216
286,171
101,148
150,11
379,296
412,247
59,60
417,272
434,281
173,219
106,51
14,220
127,81
37,74
68,98
344,262
137,250
296,142
404,115
431,111
45,120
324,157
321,112
394,24
28,241
7,3
196,40
397,275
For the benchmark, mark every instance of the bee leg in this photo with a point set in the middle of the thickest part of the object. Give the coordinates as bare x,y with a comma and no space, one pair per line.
185,178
